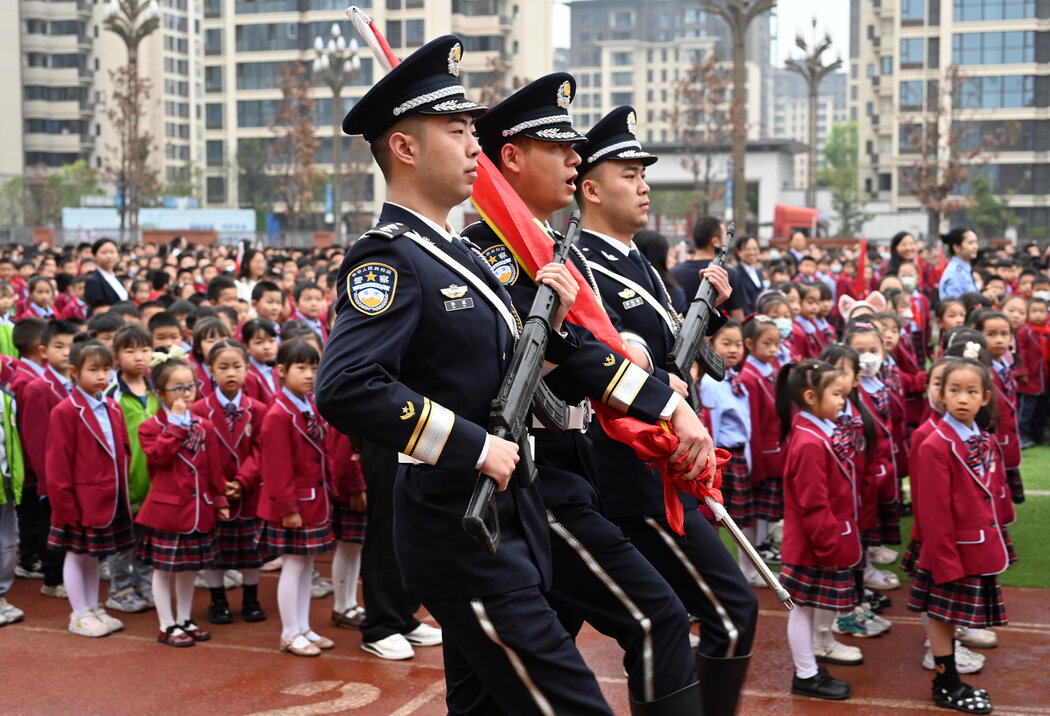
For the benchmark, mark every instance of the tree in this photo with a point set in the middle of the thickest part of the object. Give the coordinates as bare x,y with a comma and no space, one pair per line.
255,187
949,144
127,162
38,197
189,183
989,215
356,174
296,144
700,122
738,15
840,173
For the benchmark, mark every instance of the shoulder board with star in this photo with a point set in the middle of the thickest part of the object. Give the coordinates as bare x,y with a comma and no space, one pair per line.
388,231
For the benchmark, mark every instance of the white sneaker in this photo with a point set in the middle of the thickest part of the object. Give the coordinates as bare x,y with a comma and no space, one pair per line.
87,624
838,653
10,612
4,621
320,587
961,652
424,635
200,581
694,641
58,591
394,647
232,579
104,572
776,531
965,662
977,638
112,624
882,555
882,623
880,579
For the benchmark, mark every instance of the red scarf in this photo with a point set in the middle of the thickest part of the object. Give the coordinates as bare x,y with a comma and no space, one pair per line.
1043,332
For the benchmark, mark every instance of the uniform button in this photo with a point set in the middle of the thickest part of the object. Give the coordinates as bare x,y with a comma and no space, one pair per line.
993,523
193,493
987,498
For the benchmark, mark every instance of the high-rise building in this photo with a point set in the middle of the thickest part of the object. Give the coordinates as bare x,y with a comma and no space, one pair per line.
790,113
901,52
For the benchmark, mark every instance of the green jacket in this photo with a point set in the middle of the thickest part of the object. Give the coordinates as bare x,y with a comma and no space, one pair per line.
13,447
7,345
134,415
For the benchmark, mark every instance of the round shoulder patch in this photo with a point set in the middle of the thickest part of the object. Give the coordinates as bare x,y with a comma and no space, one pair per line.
502,263
371,288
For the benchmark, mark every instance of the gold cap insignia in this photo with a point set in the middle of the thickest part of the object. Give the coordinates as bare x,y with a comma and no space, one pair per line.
632,124
610,360
564,95
409,411
627,293
454,56
454,291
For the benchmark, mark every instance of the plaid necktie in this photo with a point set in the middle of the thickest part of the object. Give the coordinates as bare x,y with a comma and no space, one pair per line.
232,415
771,380
891,376
978,453
735,383
1009,381
881,399
195,438
313,427
847,436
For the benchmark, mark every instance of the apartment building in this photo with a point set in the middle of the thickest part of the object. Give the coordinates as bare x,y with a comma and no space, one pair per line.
900,55
789,109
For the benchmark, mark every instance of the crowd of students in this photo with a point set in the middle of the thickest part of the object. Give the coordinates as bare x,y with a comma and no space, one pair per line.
833,400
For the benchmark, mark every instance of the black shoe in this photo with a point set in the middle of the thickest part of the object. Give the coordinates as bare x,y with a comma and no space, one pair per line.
963,698
821,686
684,702
906,510
252,612
219,613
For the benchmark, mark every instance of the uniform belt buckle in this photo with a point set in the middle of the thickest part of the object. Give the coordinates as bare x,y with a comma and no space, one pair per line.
579,417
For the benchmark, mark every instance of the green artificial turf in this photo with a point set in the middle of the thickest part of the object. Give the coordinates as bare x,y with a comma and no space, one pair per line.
1028,532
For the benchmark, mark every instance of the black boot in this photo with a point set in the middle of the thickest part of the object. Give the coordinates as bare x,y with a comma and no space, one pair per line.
250,608
721,681
219,611
684,702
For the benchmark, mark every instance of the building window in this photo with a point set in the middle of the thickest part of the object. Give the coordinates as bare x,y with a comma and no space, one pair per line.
998,92
414,36
623,18
213,42
913,10
623,59
268,37
214,152
213,79
393,33
887,65
622,79
911,94
977,10
213,114
216,190
912,52
618,98
871,70
993,48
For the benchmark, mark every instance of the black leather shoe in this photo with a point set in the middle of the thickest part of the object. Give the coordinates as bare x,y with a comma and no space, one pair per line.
219,613
252,612
821,686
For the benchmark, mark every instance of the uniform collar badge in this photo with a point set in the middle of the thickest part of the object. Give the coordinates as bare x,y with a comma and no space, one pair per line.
454,291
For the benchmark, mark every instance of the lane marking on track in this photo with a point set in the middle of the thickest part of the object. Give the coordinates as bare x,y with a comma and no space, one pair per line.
1037,493
434,690
893,704
351,695
1021,627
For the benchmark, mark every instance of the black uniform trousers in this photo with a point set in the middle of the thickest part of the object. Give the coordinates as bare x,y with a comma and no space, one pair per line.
600,577
703,574
509,654
389,608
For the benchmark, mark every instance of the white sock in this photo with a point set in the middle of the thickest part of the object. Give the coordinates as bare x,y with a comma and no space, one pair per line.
162,598
926,627
73,569
800,639
303,604
761,531
293,566
184,595
251,576
346,568
822,634
92,579
214,577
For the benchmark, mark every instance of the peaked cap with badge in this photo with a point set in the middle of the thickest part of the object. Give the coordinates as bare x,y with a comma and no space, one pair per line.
613,138
539,110
426,82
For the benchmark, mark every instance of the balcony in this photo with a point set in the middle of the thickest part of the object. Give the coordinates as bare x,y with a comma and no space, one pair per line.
56,143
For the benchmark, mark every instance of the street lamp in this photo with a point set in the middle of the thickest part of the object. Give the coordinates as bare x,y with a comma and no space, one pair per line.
131,20
337,65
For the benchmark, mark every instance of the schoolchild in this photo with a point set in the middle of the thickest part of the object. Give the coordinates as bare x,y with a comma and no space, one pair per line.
40,300
206,333
12,481
996,329
310,307
807,340
776,306
7,324
1033,344
260,338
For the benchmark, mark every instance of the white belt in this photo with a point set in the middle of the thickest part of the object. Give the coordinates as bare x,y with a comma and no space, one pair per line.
578,417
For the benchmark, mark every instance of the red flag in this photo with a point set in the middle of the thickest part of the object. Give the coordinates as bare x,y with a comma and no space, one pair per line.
533,247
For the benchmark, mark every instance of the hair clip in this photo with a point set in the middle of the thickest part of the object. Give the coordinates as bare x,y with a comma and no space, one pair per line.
159,357
865,324
972,350
762,318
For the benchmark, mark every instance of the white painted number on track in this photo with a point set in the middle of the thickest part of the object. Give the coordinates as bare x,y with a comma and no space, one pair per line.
352,695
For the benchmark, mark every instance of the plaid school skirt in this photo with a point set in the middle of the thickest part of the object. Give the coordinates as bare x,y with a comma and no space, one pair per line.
1010,551
768,499
871,538
737,490
832,589
348,525
176,551
1013,479
910,560
237,548
275,539
975,602
890,523
95,541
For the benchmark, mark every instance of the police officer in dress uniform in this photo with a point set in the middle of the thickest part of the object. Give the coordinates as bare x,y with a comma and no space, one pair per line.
614,201
423,337
957,278
598,575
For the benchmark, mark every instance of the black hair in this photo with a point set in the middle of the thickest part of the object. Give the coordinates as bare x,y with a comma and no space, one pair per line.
199,313
807,257
705,230
107,322
755,324
255,326
824,290
227,311
887,316
741,241
164,319
725,326
226,344
99,243
206,328
161,371
805,287
37,280
651,244
303,286
182,308
954,238
26,334
125,308
941,307
131,335
246,261
63,281
264,287
895,260
972,301
982,317
219,284
158,278
297,351
57,328
1026,272
832,354
793,381
99,303
767,301
988,416
1042,301
295,328
858,325
6,287
87,348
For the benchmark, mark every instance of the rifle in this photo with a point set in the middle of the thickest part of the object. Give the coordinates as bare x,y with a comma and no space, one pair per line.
511,408
691,343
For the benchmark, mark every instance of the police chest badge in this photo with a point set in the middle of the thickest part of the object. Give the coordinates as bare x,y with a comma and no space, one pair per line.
502,263
371,288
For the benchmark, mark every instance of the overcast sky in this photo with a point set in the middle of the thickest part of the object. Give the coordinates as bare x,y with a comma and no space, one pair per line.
794,16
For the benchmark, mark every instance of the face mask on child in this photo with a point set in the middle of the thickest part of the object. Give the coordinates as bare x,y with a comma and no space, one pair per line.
774,254
783,326
870,364
1045,295
906,316
909,283
836,269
